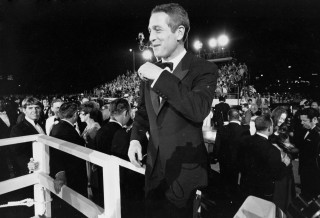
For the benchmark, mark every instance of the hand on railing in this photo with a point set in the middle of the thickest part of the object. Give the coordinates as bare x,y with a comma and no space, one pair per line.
135,153
59,181
32,165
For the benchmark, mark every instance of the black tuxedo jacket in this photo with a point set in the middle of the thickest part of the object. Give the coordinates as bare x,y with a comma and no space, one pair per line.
230,139
74,167
105,135
4,129
263,164
22,152
113,139
221,113
176,150
309,152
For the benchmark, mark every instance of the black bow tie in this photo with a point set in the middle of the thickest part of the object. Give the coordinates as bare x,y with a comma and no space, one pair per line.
36,122
165,64
56,119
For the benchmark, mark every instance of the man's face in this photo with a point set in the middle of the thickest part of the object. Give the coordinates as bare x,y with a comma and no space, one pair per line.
163,40
55,107
45,103
306,122
32,112
315,105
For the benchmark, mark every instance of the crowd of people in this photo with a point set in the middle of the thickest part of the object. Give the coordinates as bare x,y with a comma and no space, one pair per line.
176,96
255,147
104,128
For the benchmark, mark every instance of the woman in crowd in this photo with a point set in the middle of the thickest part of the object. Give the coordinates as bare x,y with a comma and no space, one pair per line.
90,114
284,191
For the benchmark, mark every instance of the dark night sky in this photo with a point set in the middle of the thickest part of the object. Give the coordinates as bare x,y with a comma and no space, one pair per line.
68,45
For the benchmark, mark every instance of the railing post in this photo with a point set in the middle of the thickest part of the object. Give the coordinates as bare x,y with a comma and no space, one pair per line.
41,194
111,188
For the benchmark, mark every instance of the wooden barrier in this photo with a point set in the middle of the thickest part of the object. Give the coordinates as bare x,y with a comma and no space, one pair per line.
43,183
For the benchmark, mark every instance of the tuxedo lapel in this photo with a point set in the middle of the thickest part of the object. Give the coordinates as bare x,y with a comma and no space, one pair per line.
154,98
180,71
29,128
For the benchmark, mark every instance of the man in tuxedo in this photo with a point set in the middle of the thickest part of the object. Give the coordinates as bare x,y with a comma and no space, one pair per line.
112,138
262,162
221,112
55,106
309,157
21,153
174,101
29,126
230,138
66,168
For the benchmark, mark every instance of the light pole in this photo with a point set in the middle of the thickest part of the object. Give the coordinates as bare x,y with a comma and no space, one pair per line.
133,60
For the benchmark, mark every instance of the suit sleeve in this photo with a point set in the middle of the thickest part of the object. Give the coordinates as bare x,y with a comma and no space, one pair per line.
194,102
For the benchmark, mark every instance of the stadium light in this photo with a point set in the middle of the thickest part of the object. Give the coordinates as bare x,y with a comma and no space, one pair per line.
213,43
147,55
197,45
223,40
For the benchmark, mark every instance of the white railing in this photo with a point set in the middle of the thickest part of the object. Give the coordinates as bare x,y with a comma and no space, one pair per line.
43,183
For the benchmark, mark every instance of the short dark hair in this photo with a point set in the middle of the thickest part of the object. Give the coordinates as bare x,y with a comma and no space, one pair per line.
222,98
263,122
67,110
31,101
118,106
90,108
178,16
233,114
310,112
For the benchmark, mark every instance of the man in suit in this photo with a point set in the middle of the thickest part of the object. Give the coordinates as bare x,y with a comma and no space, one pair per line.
262,162
111,138
230,138
66,168
221,112
309,157
29,126
173,104
21,153
51,121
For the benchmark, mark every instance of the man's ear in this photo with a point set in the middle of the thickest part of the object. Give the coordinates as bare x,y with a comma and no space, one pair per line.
181,30
315,120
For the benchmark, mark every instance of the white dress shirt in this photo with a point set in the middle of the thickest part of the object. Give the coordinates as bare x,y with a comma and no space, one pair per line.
175,62
5,118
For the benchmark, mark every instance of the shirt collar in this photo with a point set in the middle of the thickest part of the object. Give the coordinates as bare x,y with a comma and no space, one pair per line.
115,121
72,124
235,121
177,59
260,134
30,121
